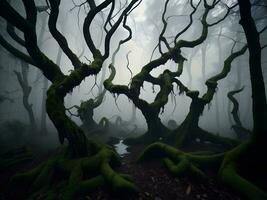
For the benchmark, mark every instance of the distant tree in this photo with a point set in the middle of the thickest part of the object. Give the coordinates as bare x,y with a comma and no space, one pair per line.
241,132
22,78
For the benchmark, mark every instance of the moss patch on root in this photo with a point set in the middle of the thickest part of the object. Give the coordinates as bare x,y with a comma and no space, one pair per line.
228,164
67,179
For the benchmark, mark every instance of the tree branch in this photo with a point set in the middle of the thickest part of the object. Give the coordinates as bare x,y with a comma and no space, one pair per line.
61,40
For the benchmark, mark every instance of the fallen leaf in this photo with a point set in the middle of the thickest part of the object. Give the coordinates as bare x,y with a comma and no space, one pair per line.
188,190
147,194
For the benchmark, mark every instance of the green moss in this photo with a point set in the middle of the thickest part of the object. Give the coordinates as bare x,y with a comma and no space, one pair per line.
180,163
70,175
85,187
247,189
179,169
45,176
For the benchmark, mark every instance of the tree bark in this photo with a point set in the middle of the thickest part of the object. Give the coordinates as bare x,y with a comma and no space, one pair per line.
45,80
259,105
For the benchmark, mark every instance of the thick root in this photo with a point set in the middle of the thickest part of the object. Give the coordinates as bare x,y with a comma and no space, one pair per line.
230,169
67,179
179,163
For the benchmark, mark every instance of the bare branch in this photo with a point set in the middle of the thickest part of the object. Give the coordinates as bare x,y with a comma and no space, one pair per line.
11,31
161,36
87,23
61,40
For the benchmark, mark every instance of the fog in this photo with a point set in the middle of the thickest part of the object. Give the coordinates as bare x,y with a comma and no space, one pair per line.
146,24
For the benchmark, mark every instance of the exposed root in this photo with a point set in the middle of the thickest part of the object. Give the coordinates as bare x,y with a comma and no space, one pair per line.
180,163
230,171
67,179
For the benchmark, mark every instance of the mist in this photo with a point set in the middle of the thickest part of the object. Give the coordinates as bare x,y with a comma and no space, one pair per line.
114,113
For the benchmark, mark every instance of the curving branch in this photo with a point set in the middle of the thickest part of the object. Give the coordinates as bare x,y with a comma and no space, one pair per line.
211,83
11,31
87,23
84,155
241,132
110,33
167,78
61,84
17,53
190,20
161,36
61,40
50,69
234,112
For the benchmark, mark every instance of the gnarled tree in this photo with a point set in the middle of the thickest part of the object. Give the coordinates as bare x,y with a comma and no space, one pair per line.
168,78
82,155
247,162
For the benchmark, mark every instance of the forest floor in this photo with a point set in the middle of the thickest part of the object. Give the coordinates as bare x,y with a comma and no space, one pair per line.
154,182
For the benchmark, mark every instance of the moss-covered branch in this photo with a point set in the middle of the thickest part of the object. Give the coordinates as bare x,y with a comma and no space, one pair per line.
211,83
167,78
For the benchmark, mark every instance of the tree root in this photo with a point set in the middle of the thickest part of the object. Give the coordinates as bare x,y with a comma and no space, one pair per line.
14,156
180,163
67,179
230,171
